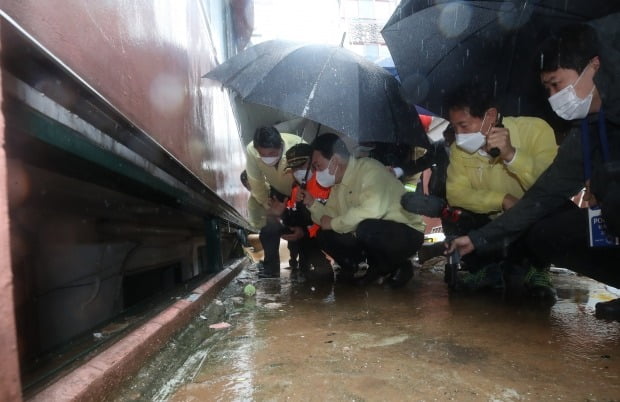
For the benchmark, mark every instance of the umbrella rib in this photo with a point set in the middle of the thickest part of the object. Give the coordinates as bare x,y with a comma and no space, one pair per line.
315,85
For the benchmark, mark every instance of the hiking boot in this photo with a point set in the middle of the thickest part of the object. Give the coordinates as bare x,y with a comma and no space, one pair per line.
538,284
489,277
609,310
401,276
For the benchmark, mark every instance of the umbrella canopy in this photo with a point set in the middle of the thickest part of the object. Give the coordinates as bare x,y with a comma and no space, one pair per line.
388,64
327,84
439,45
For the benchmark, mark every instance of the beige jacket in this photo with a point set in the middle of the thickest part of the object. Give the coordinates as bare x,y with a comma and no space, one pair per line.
261,176
367,191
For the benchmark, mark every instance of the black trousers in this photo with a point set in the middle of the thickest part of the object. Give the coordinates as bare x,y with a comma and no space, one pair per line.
270,239
306,248
312,261
293,249
562,238
386,245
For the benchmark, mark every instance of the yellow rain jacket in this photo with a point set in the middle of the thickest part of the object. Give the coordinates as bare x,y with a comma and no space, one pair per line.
261,176
257,214
367,191
479,183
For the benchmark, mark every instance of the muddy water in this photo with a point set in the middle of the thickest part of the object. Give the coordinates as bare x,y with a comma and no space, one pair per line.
303,341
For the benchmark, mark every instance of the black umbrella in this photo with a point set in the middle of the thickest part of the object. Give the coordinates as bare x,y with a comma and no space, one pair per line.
439,45
327,84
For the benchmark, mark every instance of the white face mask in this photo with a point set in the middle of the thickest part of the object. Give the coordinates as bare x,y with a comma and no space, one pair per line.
471,142
324,178
568,105
270,160
300,175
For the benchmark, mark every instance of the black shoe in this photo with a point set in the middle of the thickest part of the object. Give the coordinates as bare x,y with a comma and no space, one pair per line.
401,276
268,275
609,310
370,278
293,264
268,272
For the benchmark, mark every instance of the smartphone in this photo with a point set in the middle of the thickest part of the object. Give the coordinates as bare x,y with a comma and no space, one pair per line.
494,152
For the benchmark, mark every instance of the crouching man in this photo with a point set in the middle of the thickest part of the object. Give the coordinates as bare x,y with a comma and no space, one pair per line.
363,226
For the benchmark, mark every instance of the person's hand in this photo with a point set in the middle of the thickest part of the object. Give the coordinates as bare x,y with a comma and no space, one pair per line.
326,222
298,233
461,244
499,137
509,201
588,197
305,197
276,207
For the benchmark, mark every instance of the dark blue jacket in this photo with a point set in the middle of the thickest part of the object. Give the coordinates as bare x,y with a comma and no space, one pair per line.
565,176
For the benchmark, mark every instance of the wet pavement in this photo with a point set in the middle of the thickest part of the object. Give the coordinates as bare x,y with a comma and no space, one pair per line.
317,341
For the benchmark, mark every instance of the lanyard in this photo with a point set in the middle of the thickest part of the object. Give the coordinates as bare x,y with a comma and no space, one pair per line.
585,143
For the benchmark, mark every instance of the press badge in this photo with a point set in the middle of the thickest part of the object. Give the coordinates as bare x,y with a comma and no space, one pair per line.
597,228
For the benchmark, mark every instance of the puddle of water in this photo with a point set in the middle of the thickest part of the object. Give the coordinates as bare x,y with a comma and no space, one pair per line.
303,341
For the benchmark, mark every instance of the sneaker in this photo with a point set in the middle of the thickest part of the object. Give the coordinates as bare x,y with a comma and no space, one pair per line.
489,277
538,283
609,310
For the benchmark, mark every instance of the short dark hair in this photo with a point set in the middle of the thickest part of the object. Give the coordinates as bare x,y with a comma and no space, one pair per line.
329,144
449,135
267,137
571,47
477,98
244,179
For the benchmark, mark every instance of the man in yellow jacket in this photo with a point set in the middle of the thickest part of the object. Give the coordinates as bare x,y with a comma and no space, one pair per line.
493,161
363,226
269,182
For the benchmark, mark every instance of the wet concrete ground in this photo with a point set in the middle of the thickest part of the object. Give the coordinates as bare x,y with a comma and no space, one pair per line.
323,342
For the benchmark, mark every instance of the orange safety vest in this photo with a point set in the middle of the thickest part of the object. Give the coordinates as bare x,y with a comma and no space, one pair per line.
319,193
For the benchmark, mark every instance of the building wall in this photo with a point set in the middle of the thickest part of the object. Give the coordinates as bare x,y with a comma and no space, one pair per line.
10,388
147,58
364,20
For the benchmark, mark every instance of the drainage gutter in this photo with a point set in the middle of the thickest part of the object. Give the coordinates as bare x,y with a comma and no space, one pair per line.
103,373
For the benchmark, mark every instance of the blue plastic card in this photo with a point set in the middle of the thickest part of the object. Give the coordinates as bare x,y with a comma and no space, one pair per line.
597,228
